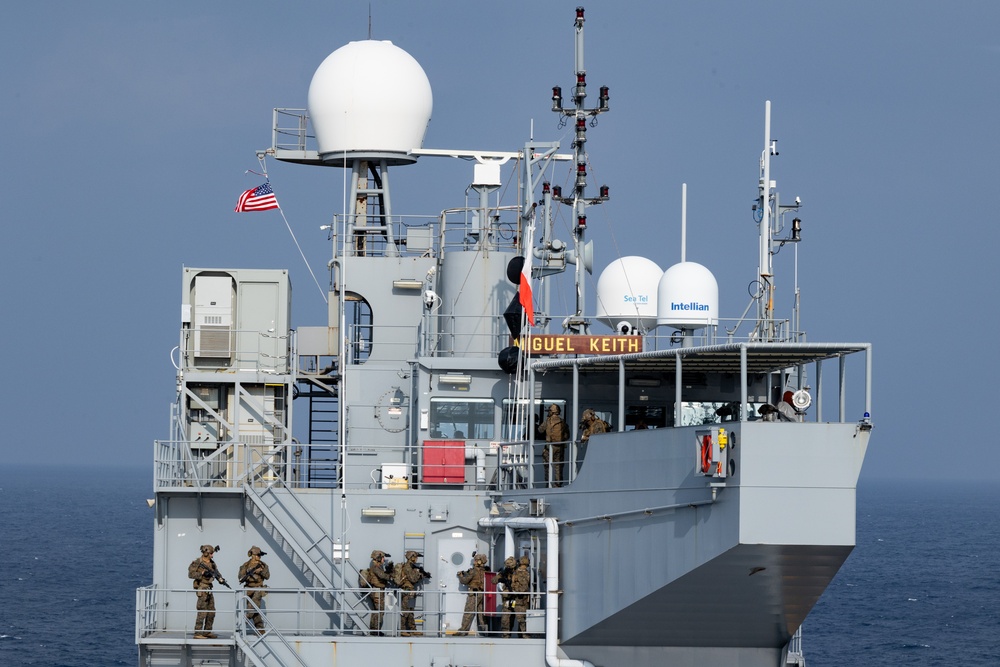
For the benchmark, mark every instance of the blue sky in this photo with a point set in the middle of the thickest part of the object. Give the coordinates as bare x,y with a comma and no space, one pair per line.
129,127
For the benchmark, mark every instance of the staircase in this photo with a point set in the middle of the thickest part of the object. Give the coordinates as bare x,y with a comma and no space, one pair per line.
270,649
323,454
305,542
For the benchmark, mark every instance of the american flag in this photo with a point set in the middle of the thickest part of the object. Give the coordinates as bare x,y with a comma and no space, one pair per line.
260,198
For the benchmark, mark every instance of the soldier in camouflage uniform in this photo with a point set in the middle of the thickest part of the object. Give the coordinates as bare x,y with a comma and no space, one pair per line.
203,571
475,579
505,578
592,424
253,574
378,579
520,583
556,435
413,574
516,580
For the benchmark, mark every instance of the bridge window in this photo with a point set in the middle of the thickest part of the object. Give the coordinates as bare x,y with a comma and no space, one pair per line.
470,418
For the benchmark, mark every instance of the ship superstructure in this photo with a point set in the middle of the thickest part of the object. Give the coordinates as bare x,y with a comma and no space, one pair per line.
700,528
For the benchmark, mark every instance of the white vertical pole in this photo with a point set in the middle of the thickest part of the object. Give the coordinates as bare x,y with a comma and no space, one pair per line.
684,220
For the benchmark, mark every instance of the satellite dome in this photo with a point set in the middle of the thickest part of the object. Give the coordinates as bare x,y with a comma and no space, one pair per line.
371,100
626,292
688,297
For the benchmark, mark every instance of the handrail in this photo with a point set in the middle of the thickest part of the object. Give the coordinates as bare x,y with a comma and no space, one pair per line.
250,647
312,555
253,473
168,615
270,353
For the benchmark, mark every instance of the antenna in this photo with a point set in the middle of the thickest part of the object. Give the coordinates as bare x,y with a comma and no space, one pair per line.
369,20
684,221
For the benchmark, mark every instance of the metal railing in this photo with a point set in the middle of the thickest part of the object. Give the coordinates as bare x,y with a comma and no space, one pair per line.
181,465
164,615
485,336
456,229
245,350
290,131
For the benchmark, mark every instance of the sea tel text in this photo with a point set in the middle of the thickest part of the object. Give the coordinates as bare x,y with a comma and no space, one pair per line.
554,344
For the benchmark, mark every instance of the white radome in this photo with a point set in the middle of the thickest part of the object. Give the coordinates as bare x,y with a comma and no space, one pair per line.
688,297
367,99
626,292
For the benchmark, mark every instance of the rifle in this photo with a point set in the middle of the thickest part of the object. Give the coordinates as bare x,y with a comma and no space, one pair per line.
249,573
215,572
504,577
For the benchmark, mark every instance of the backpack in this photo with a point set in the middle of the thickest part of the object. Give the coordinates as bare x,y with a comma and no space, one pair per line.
398,577
363,579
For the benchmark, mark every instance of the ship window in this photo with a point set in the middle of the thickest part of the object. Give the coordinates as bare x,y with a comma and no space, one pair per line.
470,418
696,413
360,325
515,416
646,416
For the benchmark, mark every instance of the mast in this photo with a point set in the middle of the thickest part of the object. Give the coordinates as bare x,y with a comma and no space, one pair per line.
578,200
771,222
765,306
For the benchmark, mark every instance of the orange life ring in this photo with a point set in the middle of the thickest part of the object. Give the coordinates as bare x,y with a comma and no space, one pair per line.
706,453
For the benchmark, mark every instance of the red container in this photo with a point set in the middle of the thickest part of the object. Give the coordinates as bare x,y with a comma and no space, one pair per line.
490,605
444,462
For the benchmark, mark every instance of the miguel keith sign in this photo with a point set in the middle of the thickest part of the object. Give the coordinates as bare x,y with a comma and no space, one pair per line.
555,344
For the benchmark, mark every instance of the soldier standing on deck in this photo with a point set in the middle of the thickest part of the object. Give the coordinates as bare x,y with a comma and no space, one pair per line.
253,574
520,583
504,577
413,574
475,579
556,435
204,572
378,579
592,424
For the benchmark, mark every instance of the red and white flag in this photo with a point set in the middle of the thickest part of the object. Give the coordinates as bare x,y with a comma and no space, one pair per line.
525,285
260,198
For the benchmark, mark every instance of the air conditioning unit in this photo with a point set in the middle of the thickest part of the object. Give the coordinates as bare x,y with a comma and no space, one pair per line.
213,316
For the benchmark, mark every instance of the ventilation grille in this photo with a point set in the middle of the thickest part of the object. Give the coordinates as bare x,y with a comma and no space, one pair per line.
213,341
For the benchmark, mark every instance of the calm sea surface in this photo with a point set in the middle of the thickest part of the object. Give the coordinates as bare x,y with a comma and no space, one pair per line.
921,588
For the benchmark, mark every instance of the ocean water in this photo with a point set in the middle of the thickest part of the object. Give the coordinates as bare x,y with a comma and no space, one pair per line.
922,587
75,543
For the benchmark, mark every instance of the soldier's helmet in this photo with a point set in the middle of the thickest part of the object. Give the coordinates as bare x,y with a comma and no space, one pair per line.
524,561
255,551
412,555
377,554
207,549
554,409
510,562
588,415
480,558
